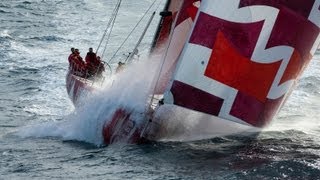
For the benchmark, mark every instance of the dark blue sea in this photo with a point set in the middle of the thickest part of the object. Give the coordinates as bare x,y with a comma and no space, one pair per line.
37,142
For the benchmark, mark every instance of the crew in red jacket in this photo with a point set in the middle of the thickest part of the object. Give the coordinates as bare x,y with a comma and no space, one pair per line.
71,57
79,63
91,56
91,62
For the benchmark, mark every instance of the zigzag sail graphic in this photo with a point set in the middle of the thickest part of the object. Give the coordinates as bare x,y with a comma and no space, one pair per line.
242,60
178,19
236,69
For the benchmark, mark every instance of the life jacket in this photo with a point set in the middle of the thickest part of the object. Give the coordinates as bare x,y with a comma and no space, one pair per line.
77,63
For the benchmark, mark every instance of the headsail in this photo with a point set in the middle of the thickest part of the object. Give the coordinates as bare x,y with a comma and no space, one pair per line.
178,16
243,57
167,17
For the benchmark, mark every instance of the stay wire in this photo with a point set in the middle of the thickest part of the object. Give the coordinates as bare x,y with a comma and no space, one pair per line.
113,22
164,58
109,23
114,55
149,104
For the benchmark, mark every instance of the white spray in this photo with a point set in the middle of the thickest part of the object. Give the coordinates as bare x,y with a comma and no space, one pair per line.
130,90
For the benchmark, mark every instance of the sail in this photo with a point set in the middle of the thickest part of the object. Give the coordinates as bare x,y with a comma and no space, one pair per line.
167,17
243,58
180,18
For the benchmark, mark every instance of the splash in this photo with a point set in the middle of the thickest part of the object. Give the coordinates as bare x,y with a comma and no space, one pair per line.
5,34
130,90
301,112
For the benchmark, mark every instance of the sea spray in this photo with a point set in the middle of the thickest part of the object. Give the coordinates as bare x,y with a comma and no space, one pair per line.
130,90
174,123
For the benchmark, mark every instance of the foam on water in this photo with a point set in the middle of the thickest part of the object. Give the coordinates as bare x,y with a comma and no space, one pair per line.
5,33
301,112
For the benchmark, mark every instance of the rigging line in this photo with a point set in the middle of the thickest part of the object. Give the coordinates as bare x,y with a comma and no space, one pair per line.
114,55
158,5
164,57
148,105
109,23
135,50
108,38
112,25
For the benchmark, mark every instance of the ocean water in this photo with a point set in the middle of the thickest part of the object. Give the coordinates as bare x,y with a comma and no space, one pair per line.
41,137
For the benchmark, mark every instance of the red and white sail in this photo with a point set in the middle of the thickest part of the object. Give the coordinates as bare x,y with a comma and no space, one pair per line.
164,28
180,22
242,57
232,64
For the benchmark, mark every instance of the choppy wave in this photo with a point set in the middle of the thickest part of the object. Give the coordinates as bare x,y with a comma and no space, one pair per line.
2,5
48,38
24,6
310,85
4,12
26,2
24,70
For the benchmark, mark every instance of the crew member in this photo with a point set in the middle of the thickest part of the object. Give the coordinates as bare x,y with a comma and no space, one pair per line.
71,57
80,65
91,57
120,67
99,66
91,62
